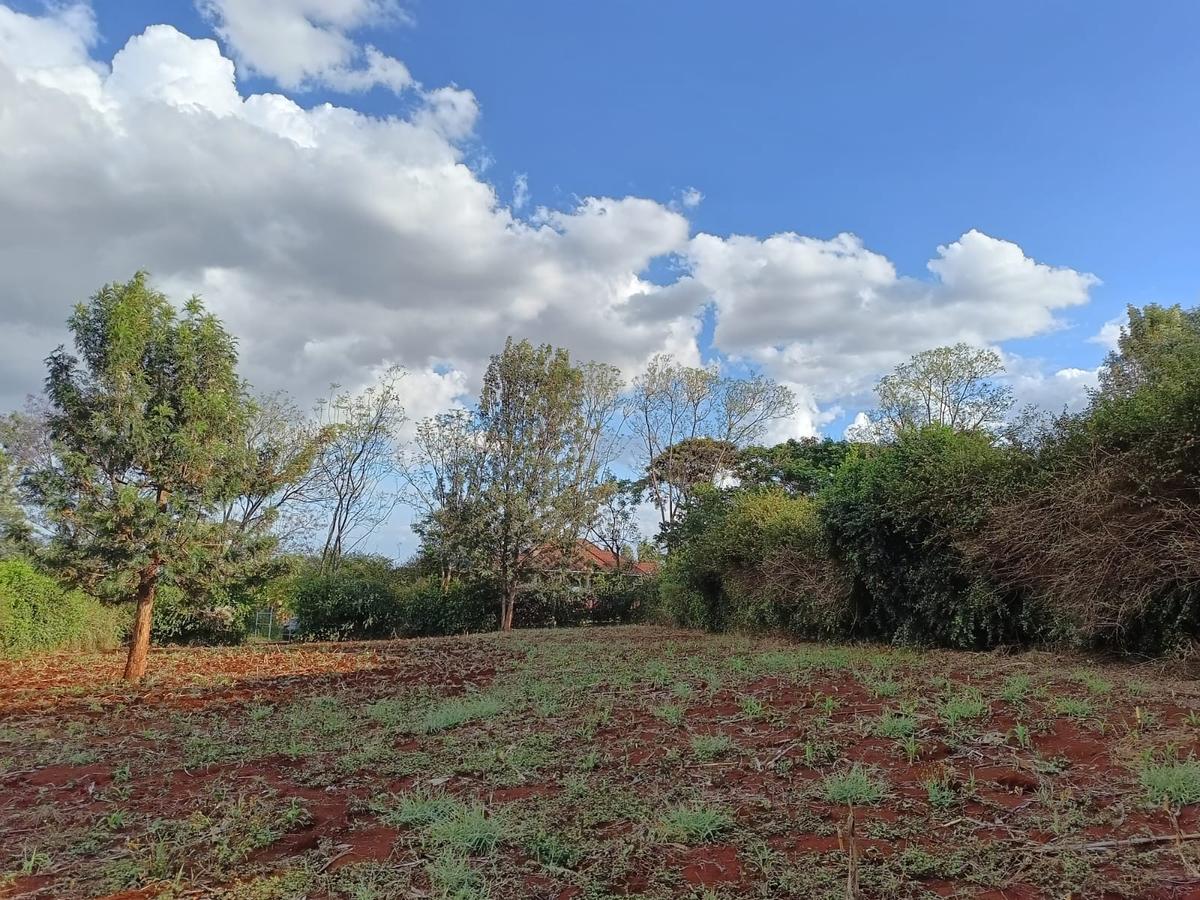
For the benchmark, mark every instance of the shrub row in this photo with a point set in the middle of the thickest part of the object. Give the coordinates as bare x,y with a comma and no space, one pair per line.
37,614
1085,529
353,604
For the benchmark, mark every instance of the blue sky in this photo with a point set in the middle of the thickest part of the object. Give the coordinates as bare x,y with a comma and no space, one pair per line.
876,178
1068,127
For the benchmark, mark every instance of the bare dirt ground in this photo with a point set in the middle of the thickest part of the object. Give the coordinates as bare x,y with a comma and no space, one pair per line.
597,763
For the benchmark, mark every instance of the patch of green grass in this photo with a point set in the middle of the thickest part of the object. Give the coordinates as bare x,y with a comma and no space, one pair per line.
459,711
452,878
940,792
553,850
469,829
694,824
1171,781
708,747
962,707
853,788
670,713
1016,688
752,707
892,724
415,810
1095,683
1073,707
885,688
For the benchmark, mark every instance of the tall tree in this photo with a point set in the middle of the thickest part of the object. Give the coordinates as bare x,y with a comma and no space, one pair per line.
613,525
950,386
146,424
539,435
355,471
672,403
441,473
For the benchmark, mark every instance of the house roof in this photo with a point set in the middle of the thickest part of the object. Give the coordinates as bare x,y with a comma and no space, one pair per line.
592,556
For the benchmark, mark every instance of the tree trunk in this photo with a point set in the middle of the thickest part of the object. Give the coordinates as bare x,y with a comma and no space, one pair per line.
139,642
507,604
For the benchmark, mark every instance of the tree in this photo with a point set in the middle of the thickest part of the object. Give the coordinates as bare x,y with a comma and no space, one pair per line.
358,462
804,466
613,525
671,403
14,528
147,426
282,446
441,472
542,445
949,386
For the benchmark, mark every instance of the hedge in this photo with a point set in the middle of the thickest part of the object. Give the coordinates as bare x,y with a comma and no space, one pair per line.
37,614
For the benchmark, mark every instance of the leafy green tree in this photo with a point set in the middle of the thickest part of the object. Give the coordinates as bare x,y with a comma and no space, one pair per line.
14,529
899,516
147,420
543,434
954,387
804,466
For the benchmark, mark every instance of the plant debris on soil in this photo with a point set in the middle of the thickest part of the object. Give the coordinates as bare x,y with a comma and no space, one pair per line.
593,763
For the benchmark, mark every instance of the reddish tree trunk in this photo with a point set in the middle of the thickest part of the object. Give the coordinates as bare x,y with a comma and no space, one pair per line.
507,605
139,642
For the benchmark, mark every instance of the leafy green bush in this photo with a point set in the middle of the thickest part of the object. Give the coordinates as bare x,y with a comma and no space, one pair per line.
562,606
754,559
622,599
345,605
176,621
898,515
463,608
37,613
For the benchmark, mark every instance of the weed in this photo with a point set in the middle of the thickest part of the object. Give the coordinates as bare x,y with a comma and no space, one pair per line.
1074,707
710,746
962,707
469,829
752,707
1016,688
694,824
417,809
895,725
458,711
854,787
1171,781
670,713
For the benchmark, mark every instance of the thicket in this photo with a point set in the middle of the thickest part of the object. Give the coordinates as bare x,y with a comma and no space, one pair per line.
38,614
1083,529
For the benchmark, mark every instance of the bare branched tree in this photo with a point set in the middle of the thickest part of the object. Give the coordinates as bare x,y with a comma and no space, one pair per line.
950,386
356,470
285,486
671,403
439,472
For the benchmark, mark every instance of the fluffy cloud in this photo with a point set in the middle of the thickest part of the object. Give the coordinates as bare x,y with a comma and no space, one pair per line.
832,314
334,242
302,43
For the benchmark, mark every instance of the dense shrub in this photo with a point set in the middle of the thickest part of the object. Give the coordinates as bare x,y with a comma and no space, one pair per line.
622,599
899,515
753,559
345,604
1108,529
37,613
463,608
178,621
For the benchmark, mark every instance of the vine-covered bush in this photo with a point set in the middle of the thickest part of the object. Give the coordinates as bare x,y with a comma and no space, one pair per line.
37,613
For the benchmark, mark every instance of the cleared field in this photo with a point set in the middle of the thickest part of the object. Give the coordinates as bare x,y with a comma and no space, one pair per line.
594,763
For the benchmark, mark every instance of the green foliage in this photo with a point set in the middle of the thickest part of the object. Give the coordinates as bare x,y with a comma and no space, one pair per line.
464,607
805,466
897,515
854,787
178,620
149,422
1172,781
345,604
37,614
753,559
694,824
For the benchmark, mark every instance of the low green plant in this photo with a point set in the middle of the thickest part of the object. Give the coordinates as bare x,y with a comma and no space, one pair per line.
1170,780
710,746
892,724
460,710
694,824
1073,707
469,829
962,707
855,787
